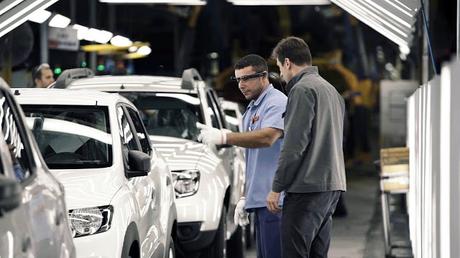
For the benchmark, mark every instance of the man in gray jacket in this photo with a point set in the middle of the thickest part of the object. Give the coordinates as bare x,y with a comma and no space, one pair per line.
311,167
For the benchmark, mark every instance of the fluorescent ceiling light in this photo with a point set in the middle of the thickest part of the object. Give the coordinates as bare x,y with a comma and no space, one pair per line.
172,2
279,2
121,41
386,23
404,49
8,5
99,36
59,21
40,16
373,24
375,6
91,34
103,36
81,31
391,18
401,8
410,6
132,49
15,13
144,50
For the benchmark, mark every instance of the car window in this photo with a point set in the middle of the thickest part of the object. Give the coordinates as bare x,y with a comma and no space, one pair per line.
126,133
140,132
230,112
71,136
5,158
168,114
14,138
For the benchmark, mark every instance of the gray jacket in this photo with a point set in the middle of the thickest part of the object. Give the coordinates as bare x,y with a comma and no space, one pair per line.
311,158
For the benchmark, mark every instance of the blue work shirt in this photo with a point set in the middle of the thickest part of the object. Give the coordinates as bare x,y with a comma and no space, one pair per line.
261,163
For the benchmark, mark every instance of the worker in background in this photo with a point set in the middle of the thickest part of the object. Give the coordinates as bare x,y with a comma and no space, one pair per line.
43,76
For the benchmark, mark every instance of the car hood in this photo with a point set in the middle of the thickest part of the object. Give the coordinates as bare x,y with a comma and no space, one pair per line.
180,154
85,188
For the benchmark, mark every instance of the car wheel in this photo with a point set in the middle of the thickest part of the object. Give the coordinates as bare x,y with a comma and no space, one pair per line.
218,247
133,251
130,243
236,244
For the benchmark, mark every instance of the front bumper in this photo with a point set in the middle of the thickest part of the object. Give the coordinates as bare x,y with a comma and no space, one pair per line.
102,245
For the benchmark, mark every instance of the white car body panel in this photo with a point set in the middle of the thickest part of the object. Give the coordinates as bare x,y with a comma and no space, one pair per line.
207,203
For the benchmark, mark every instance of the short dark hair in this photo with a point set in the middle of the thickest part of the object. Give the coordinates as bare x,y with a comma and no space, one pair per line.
293,48
257,62
37,73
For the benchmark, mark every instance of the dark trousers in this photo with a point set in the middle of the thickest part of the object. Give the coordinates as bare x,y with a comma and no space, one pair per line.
268,238
307,223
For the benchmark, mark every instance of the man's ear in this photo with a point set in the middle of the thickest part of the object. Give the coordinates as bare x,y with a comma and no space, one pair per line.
288,63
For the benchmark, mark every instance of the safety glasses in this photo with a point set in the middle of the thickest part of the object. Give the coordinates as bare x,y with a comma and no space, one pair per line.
246,78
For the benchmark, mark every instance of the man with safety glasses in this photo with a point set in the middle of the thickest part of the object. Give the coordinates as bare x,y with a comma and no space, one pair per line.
263,126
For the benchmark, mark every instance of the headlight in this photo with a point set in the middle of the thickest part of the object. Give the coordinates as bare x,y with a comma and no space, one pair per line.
186,182
88,221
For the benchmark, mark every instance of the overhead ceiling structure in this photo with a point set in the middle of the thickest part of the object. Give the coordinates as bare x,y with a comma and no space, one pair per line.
15,12
279,2
393,19
170,2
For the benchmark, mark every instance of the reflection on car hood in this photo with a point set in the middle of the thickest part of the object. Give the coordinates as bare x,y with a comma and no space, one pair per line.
180,154
86,188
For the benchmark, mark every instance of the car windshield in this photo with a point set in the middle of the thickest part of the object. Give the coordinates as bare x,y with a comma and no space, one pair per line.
71,136
168,114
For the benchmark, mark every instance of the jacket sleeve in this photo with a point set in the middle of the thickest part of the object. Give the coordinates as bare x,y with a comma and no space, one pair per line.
298,121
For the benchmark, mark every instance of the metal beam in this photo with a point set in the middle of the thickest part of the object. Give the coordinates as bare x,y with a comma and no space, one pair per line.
458,29
92,23
44,53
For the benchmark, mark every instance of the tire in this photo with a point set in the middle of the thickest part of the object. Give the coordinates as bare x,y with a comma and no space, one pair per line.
134,251
130,243
218,247
236,244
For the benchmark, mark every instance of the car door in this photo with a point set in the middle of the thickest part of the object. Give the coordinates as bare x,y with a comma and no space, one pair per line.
15,225
161,178
226,154
146,189
42,195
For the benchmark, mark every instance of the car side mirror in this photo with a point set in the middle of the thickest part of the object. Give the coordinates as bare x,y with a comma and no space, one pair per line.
139,163
10,194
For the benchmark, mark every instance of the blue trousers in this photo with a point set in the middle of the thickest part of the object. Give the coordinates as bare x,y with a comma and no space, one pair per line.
268,239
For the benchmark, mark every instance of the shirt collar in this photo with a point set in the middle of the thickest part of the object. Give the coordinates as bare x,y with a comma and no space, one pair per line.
262,95
307,70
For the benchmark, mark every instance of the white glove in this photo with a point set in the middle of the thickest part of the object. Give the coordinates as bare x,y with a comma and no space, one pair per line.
210,135
241,216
